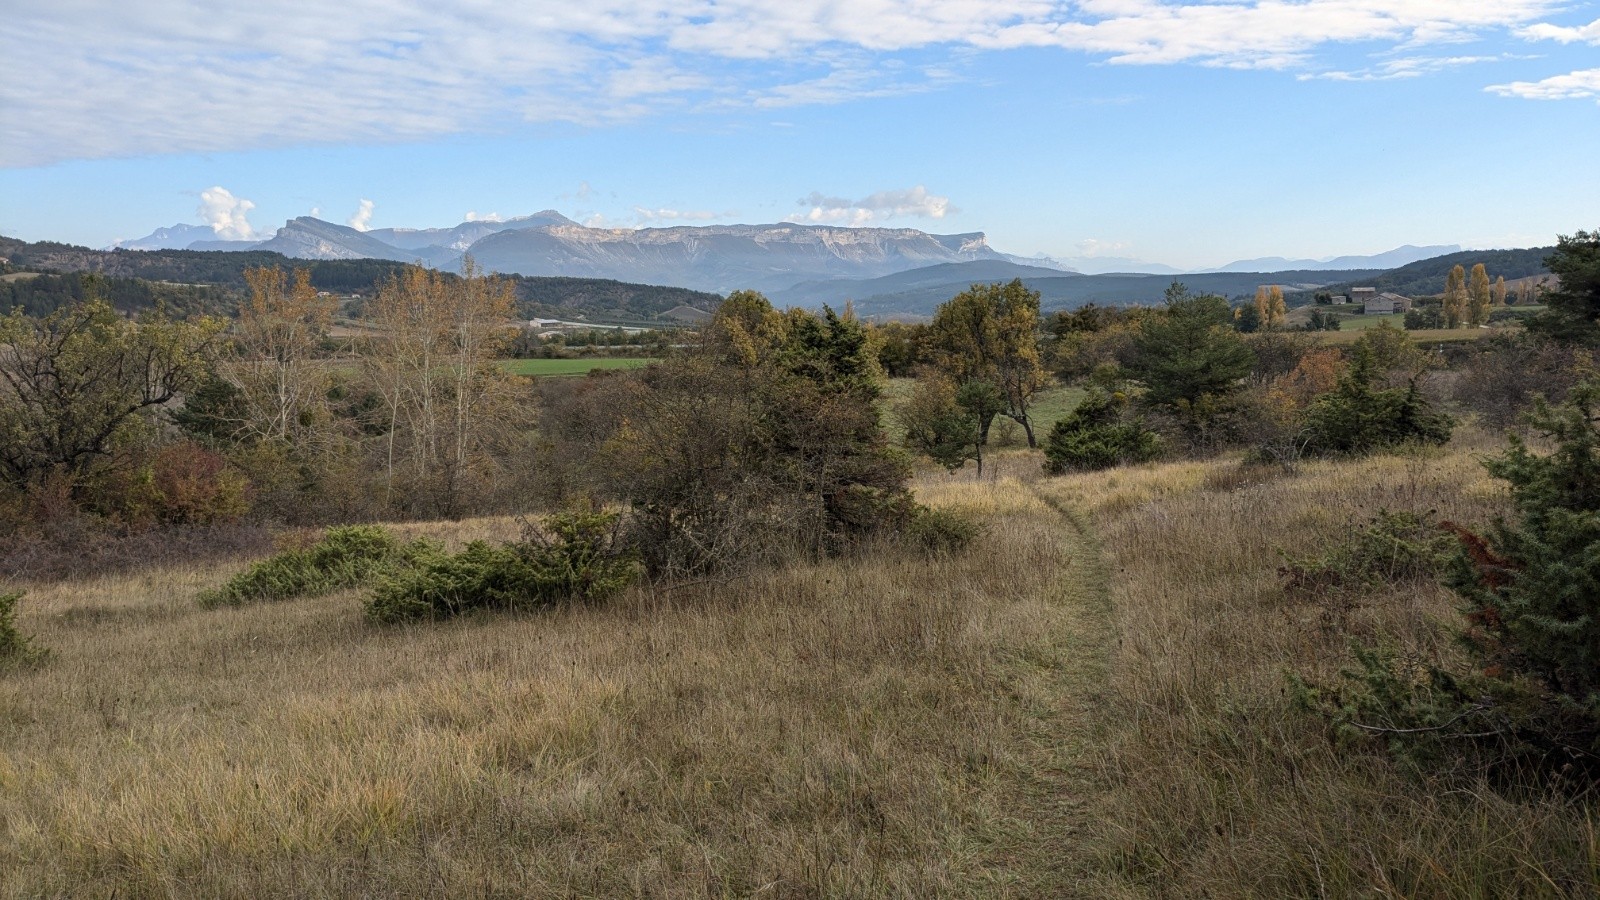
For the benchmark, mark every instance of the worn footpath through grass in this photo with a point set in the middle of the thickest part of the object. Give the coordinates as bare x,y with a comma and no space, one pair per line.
887,726
1213,782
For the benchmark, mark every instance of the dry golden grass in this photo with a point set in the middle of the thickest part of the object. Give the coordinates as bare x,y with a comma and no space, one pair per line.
1426,337
1214,785
885,727
1052,714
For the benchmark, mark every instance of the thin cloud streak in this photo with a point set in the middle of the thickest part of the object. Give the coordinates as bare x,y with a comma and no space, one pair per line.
83,80
1579,85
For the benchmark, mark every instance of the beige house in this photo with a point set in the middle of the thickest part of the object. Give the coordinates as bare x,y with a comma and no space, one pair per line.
1386,304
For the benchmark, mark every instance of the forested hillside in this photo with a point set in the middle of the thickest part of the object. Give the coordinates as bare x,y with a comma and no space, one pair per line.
1428,276
211,281
38,295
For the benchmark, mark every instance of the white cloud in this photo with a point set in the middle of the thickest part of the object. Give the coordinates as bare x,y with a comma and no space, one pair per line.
81,79
1572,86
226,214
1543,31
582,193
1268,34
913,202
361,219
474,216
1407,67
644,215
1092,247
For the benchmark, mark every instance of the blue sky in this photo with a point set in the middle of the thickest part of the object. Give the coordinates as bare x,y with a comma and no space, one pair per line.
1190,133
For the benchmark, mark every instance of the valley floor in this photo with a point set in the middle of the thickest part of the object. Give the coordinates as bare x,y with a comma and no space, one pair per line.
1091,702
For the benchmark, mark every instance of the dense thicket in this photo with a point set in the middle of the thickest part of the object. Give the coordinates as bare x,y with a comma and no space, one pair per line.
762,439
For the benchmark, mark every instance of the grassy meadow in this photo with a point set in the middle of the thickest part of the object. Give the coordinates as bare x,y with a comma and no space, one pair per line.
887,726
1092,702
1212,784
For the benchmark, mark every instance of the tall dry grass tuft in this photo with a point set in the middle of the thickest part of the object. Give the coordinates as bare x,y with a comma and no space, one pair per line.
1215,786
889,726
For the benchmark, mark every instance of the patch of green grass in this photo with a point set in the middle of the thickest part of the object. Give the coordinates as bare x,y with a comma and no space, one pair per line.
1049,406
571,366
1357,323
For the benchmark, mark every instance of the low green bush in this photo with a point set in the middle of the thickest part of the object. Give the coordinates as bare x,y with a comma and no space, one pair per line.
940,531
346,557
565,557
1098,434
1358,417
1393,547
1525,704
16,649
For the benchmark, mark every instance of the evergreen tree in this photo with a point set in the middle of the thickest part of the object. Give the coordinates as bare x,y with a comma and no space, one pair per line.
1247,319
1573,309
1189,353
1359,417
1533,587
1098,434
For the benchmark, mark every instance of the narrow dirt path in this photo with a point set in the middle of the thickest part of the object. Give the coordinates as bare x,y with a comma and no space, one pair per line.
1060,772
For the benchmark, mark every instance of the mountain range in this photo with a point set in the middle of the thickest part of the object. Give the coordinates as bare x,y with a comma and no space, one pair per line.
785,258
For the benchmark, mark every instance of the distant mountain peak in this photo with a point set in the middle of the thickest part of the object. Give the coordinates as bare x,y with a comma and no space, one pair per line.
1390,259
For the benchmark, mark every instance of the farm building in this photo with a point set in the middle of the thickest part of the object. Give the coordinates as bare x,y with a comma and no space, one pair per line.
1386,304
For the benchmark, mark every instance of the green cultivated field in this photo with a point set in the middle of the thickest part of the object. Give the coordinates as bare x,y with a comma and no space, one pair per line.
570,366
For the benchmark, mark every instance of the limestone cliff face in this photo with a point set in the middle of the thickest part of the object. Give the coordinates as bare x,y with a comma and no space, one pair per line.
309,238
723,257
717,258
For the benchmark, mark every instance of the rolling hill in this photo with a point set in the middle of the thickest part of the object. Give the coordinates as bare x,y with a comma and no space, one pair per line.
212,281
1426,277
917,292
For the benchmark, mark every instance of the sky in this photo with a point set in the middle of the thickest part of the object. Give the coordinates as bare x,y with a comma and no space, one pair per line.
1190,133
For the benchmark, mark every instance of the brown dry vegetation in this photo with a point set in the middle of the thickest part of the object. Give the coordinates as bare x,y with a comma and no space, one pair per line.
886,726
1213,784
1056,713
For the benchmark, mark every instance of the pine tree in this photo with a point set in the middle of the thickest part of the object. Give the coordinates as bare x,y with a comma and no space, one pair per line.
1247,319
1573,307
1478,296
1534,584
1455,298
